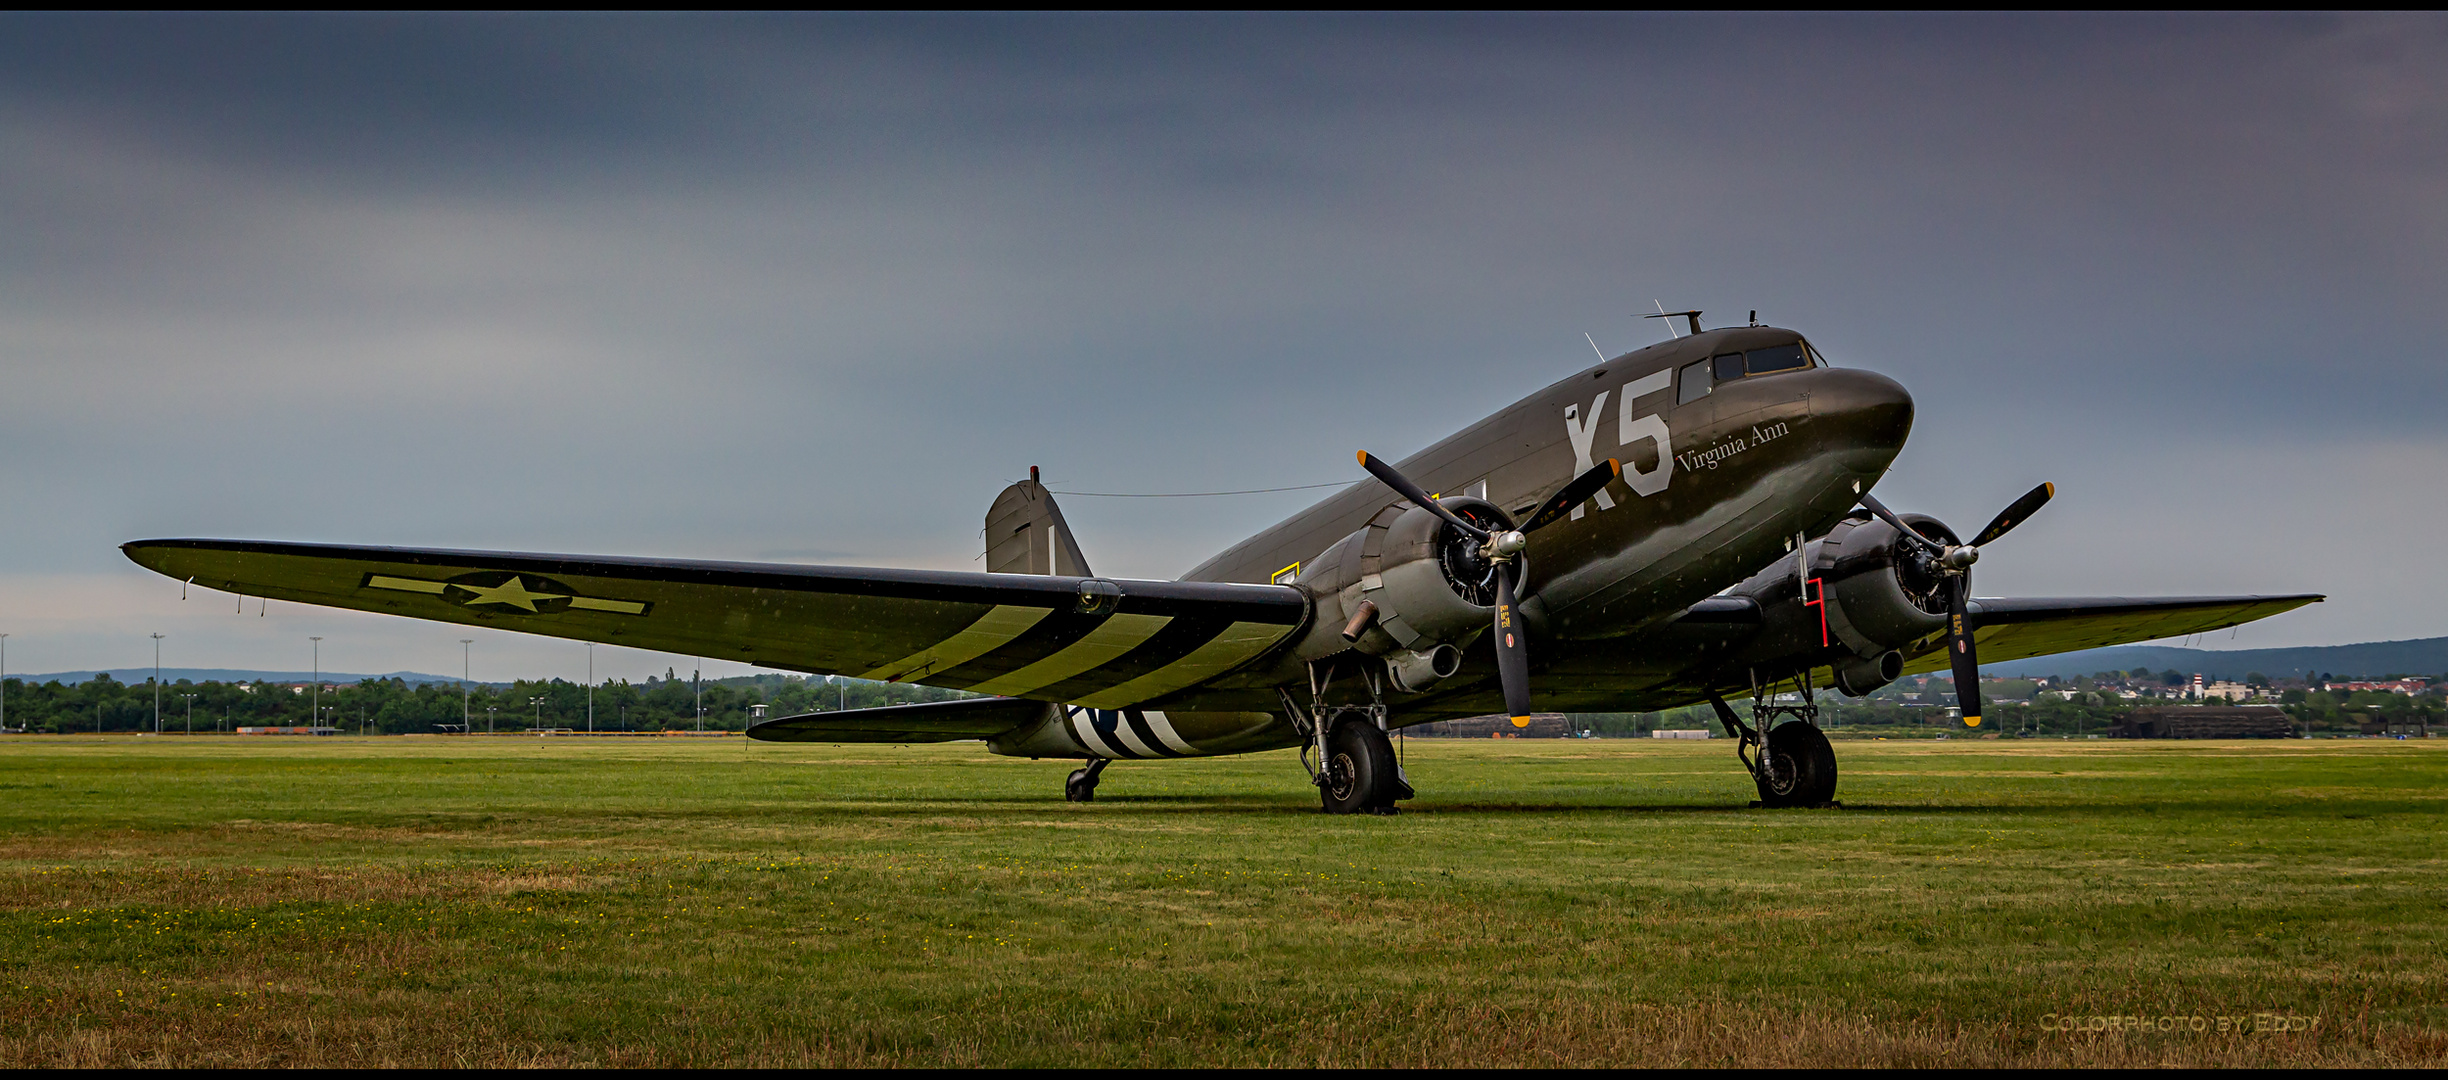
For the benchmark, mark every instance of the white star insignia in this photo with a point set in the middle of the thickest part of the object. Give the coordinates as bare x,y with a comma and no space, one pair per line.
512,592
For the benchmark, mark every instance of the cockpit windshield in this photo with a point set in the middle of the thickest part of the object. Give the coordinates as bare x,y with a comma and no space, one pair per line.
1775,358
1696,379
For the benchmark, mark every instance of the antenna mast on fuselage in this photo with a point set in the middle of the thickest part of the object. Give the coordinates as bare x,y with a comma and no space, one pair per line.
1692,316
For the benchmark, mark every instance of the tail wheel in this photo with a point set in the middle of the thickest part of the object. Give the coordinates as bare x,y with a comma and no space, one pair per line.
1080,786
1361,776
1801,767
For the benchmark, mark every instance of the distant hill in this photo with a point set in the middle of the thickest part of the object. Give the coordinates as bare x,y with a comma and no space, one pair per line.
171,675
2370,660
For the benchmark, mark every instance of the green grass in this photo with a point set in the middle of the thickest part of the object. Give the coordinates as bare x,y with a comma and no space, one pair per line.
700,902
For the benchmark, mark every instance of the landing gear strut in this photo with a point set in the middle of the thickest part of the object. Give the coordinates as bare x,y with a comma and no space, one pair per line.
1791,763
1357,771
1081,785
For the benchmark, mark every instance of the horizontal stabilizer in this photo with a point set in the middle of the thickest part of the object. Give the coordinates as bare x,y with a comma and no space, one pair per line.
932,721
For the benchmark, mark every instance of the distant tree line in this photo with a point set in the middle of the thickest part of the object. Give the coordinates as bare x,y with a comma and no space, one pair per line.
674,703
394,707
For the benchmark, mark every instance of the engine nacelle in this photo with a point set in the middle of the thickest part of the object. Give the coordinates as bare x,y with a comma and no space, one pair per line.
1430,591
1868,594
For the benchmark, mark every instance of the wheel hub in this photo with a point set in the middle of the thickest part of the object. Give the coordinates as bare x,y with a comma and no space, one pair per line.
1341,774
1782,772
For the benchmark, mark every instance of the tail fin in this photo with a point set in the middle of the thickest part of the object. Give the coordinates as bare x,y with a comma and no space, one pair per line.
1026,534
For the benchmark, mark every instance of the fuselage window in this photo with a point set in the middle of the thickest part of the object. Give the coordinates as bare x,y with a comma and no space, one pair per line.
1728,367
1776,358
1692,384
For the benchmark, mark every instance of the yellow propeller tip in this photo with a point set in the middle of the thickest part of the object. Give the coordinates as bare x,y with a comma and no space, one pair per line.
1615,466
1521,721
1363,457
2051,489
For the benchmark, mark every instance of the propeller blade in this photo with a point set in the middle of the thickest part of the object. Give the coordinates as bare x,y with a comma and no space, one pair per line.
2014,515
1403,486
1512,649
1961,651
1870,502
1574,494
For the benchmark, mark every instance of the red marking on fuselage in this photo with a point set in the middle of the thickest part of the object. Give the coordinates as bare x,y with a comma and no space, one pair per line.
1821,604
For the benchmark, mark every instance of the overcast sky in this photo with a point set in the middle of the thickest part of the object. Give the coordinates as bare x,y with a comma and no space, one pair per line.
816,289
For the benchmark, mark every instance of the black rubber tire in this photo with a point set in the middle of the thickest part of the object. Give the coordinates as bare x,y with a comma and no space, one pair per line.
1802,767
1361,774
1079,787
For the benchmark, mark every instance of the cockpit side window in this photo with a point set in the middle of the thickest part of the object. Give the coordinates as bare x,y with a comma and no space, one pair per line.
1776,358
1692,383
1728,366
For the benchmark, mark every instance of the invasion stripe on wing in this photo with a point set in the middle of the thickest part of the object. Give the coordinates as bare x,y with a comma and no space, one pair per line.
1178,639
1107,643
1226,651
1056,632
998,626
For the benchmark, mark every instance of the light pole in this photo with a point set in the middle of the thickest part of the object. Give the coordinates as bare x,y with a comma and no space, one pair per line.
490,712
316,702
590,688
538,702
697,679
3,680
190,712
157,684
467,724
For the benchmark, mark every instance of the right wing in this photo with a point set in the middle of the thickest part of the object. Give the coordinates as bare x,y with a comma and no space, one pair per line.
2016,628
1095,642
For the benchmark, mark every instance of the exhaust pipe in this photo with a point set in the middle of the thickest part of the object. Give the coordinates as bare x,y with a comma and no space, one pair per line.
1417,671
1857,677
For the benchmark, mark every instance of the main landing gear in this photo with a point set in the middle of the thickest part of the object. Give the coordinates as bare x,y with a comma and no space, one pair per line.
1795,766
1357,771
1080,786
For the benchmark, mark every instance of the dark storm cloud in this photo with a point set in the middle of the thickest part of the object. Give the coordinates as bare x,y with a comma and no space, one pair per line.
814,288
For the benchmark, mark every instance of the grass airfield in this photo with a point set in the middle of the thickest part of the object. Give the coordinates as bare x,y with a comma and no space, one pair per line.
678,902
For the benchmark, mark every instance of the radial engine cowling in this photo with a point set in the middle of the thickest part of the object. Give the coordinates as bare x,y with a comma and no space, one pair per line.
1428,591
1883,592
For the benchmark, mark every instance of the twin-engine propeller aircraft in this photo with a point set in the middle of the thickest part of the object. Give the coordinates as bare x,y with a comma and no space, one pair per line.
1679,524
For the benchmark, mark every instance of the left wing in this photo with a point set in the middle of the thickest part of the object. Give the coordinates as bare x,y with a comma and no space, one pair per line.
1100,643
2016,628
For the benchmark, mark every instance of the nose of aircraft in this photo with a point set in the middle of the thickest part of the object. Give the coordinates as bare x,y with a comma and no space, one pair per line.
1870,410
